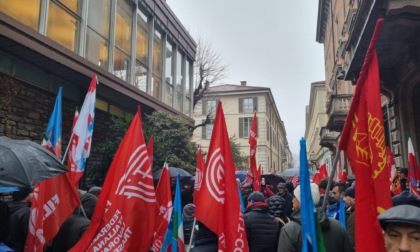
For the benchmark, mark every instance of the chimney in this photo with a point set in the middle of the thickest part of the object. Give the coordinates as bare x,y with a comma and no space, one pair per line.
243,83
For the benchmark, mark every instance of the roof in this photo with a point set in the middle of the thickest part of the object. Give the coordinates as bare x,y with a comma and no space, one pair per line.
235,88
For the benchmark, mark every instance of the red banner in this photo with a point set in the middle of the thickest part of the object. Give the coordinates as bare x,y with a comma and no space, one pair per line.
198,174
253,150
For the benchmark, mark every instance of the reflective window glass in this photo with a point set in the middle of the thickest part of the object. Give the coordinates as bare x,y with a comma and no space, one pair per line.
62,27
168,63
72,5
99,16
140,81
142,38
188,71
187,104
157,54
123,26
24,11
121,64
179,71
97,49
156,87
168,94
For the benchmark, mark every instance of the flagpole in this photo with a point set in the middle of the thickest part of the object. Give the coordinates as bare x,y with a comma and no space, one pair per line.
67,149
334,168
192,235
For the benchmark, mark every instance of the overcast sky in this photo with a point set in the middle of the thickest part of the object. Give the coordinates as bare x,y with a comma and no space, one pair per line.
268,43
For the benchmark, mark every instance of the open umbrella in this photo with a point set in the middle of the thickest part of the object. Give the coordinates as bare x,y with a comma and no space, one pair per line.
273,179
173,172
241,175
24,163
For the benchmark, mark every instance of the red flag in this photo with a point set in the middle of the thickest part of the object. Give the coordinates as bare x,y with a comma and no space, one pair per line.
413,170
339,172
150,150
73,175
295,180
164,206
275,171
344,177
253,150
394,182
218,206
249,178
317,177
199,171
323,171
124,216
363,141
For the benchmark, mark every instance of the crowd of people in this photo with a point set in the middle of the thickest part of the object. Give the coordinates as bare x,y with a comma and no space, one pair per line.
271,215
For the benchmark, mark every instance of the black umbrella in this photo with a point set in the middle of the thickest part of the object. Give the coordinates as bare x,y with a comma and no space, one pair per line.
173,172
24,163
273,179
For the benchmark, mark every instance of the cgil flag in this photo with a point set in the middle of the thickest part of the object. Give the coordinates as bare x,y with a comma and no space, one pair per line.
199,171
83,130
174,237
218,206
124,217
164,207
413,170
363,141
253,150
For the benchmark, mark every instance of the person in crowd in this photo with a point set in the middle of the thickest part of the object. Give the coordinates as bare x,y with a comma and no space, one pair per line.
95,190
322,189
335,238
403,175
20,211
70,233
204,239
290,187
349,199
401,226
287,197
188,221
187,193
337,192
88,201
405,198
246,191
265,189
276,208
4,220
261,228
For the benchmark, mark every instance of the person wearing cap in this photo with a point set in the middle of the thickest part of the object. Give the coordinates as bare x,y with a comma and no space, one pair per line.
188,221
402,175
287,197
349,199
405,198
262,230
335,238
401,226
20,211
246,191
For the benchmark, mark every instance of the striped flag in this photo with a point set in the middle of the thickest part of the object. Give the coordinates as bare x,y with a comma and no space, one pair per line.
413,169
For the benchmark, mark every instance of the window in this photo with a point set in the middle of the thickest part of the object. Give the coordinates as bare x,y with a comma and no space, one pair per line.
245,124
209,107
179,80
122,40
187,100
157,65
207,130
247,105
24,11
142,48
169,74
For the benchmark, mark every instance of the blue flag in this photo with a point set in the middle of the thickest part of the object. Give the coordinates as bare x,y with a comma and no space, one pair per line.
52,139
342,213
174,236
241,199
307,206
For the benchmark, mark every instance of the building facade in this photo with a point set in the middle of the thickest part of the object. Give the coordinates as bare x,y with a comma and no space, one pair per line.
139,50
316,121
345,28
239,103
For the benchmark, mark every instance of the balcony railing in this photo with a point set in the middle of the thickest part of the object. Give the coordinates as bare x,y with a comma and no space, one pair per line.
337,108
328,138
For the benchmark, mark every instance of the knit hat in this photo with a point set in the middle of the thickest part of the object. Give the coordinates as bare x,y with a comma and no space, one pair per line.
314,192
350,192
188,212
403,170
405,198
281,185
256,197
21,194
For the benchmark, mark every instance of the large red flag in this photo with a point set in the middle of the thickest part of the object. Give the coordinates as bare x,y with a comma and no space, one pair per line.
164,207
323,171
413,169
363,140
199,171
124,217
218,206
253,150
150,150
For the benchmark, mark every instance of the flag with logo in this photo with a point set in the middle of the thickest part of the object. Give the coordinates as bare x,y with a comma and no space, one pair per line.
413,170
394,182
50,208
199,171
164,207
174,237
124,217
218,206
253,150
150,150
82,131
363,141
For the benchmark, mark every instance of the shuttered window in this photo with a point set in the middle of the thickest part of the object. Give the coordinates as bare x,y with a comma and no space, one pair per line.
245,124
209,106
207,130
248,105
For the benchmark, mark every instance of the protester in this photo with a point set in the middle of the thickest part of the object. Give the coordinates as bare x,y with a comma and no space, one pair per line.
265,189
246,191
95,190
187,193
88,201
349,199
287,197
188,221
405,198
335,238
337,192
70,233
204,239
401,225
276,208
402,175
322,190
290,187
20,211
4,220
262,229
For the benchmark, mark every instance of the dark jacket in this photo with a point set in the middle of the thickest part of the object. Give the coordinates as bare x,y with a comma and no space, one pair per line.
70,233
289,205
350,224
335,238
262,230
276,208
204,239
19,221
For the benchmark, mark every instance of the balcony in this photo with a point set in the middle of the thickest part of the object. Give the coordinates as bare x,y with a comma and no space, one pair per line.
328,138
337,108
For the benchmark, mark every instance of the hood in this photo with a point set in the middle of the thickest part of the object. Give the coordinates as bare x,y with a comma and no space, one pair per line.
323,220
257,206
14,206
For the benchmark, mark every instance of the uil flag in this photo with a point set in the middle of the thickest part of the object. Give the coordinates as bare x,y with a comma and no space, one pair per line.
413,169
253,150
164,207
174,237
52,139
50,208
363,141
218,206
199,171
83,129
124,217
150,150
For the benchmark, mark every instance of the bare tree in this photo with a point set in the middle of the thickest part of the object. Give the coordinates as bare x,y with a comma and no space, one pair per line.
208,69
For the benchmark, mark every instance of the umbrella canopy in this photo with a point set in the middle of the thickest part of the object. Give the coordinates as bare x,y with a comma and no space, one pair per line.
241,175
293,172
273,179
24,163
173,172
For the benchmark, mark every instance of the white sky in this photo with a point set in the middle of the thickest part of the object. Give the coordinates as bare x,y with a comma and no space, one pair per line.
268,43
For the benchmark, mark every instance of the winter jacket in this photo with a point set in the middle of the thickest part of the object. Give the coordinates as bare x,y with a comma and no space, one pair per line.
204,239
276,208
350,224
19,220
335,238
289,205
262,230
70,233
